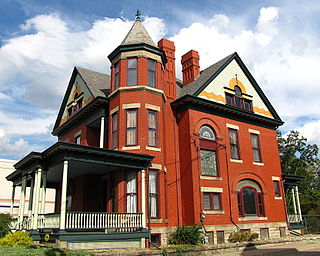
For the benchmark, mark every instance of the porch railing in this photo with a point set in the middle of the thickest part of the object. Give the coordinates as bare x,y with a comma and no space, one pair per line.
294,218
50,221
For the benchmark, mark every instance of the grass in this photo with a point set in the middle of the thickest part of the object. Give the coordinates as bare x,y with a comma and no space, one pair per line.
40,251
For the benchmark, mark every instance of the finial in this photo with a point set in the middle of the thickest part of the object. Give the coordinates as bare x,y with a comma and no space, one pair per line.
138,14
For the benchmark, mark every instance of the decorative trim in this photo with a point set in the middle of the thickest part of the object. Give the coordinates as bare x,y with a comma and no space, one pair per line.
246,96
253,131
131,105
114,110
156,166
153,149
239,161
210,189
258,163
232,126
213,212
210,178
228,90
139,88
276,178
278,197
248,218
131,147
152,107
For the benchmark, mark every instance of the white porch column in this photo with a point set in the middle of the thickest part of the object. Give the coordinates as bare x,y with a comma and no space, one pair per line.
298,203
143,198
31,201
12,198
36,198
63,209
102,132
44,192
22,198
294,203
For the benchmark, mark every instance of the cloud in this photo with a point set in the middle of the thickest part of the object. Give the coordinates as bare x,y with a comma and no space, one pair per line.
311,131
9,147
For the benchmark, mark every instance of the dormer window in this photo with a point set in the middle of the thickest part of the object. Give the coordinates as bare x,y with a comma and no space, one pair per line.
132,72
238,99
75,105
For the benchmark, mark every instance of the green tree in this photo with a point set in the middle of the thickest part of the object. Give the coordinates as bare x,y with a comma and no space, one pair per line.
300,158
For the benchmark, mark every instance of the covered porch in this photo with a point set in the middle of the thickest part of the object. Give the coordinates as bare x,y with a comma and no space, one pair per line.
92,203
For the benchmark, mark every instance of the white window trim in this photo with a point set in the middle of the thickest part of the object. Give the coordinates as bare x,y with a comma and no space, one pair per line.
210,189
213,212
210,178
232,126
152,107
248,218
276,178
77,134
153,149
258,163
156,166
131,147
239,161
278,197
131,105
114,110
254,131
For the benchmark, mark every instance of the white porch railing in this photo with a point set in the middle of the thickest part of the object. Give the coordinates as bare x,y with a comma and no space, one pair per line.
50,221
115,222
294,218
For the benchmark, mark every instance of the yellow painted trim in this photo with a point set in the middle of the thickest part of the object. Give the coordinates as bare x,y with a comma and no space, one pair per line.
262,111
212,96
233,83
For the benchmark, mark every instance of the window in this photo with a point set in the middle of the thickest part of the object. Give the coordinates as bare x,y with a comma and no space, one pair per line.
250,199
153,194
132,191
116,76
276,185
255,148
234,144
78,139
152,73
152,128
75,105
208,153
132,127
115,130
132,72
212,201
237,99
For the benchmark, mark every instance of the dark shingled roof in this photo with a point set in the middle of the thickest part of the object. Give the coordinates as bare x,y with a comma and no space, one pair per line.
98,83
204,76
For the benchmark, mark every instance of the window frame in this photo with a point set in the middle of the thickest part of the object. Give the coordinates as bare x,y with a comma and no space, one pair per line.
78,137
156,195
276,188
133,127
134,194
116,76
256,149
231,99
132,69
154,72
258,199
236,145
211,201
114,132
150,129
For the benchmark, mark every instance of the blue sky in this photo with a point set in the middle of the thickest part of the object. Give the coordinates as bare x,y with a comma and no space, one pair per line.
41,41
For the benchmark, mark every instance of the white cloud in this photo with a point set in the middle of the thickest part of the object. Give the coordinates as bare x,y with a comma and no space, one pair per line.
8,147
311,131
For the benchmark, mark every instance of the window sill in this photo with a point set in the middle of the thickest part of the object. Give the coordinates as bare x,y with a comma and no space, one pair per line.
258,163
278,197
131,148
155,220
210,178
239,161
153,149
213,212
248,218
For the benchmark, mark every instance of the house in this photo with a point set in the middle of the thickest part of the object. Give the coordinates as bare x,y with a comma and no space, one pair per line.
8,204
140,152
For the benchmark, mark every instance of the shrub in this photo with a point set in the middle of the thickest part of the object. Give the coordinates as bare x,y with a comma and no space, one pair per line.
16,239
186,235
5,221
242,236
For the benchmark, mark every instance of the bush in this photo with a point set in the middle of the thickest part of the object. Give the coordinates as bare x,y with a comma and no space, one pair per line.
242,236
16,239
186,235
5,221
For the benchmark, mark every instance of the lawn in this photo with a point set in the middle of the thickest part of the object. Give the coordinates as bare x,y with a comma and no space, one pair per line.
40,251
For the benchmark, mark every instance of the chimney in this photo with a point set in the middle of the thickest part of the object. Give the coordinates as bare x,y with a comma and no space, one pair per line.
170,71
190,66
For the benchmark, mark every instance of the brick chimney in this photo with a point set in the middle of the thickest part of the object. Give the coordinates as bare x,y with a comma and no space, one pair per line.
170,71
190,66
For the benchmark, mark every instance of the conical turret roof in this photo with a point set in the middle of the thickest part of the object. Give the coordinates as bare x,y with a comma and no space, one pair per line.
138,35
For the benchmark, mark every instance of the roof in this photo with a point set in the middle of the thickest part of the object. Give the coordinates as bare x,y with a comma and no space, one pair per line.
204,76
98,83
138,35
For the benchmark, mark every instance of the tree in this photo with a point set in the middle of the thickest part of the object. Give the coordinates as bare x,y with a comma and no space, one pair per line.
300,158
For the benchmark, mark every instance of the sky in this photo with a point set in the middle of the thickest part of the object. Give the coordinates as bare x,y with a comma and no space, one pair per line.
42,40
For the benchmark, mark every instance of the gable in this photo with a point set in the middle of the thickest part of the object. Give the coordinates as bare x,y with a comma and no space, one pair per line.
232,74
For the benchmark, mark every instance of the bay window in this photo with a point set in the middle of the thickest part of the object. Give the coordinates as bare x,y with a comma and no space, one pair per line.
152,128
131,127
132,72
132,191
152,73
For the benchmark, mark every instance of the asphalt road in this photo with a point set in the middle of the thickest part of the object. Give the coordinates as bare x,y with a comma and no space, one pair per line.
301,248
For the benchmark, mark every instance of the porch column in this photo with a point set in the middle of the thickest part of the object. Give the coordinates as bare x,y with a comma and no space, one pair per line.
12,198
44,192
294,203
298,203
31,201
102,132
22,198
63,209
143,198
36,198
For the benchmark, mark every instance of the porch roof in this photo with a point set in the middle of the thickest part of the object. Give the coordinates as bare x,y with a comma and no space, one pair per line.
61,151
291,180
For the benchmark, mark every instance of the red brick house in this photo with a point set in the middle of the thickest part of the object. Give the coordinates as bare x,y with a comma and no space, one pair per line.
140,152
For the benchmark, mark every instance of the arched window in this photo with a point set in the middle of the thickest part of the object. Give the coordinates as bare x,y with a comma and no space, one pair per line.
250,198
208,151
